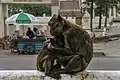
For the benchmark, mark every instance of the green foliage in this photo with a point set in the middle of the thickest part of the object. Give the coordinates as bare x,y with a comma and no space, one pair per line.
103,8
36,10
104,3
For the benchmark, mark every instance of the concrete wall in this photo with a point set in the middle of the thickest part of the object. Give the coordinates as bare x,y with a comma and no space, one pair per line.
54,10
1,21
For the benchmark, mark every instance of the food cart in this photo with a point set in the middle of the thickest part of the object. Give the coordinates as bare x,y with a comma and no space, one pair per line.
30,45
25,45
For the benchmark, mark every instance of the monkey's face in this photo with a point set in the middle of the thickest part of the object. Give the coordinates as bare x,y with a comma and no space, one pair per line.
56,25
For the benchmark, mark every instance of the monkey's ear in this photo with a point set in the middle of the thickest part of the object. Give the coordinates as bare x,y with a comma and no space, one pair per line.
59,18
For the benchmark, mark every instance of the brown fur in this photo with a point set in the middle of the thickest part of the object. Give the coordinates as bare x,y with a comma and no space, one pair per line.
76,38
75,53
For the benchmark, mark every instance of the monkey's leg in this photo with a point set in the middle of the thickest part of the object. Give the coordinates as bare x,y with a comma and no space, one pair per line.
40,66
63,60
76,64
47,64
39,63
42,56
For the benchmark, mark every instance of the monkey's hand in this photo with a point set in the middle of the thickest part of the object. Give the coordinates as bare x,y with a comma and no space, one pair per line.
50,46
48,41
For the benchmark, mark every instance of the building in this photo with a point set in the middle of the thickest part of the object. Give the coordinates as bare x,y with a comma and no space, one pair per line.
4,29
57,6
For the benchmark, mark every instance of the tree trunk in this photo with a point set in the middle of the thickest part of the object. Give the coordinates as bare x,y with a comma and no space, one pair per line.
116,10
106,16
100,17
112,11
91,17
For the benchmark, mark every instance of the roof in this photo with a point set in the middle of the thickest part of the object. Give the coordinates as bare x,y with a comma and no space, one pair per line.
70,13
64,5
70,8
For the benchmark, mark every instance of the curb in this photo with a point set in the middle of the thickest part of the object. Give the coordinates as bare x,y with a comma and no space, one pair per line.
85,75
106,38
98,54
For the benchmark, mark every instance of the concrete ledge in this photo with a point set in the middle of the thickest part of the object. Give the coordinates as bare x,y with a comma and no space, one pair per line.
105,38
34,75
98,54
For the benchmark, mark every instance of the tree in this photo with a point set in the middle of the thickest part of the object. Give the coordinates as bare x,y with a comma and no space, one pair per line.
106,15
99,4
103,8
91,14
107,6
36,10
110,4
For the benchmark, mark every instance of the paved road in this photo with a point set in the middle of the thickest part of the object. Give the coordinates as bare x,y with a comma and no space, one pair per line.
105,63
18,62
111,48
29,63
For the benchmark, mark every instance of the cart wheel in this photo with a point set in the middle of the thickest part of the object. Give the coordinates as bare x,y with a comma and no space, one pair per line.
19,52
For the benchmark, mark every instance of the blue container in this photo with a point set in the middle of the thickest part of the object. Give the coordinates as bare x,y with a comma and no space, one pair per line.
30,45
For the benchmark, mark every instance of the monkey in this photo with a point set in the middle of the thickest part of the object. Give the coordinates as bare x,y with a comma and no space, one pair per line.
78,48
74,53
45,58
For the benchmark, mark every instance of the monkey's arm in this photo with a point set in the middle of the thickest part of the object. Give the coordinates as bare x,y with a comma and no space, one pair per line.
48,41
65,52
61,51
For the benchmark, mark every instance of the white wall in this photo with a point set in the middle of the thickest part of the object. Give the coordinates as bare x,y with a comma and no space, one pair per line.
6,1
1,21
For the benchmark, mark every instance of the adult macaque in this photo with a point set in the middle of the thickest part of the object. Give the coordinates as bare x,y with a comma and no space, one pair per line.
46,58
71,47
78,48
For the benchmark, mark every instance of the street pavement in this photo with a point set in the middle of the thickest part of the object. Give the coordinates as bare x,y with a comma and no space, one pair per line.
10,61
111,48
29,63
105,64
113,30
18,62
111,61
